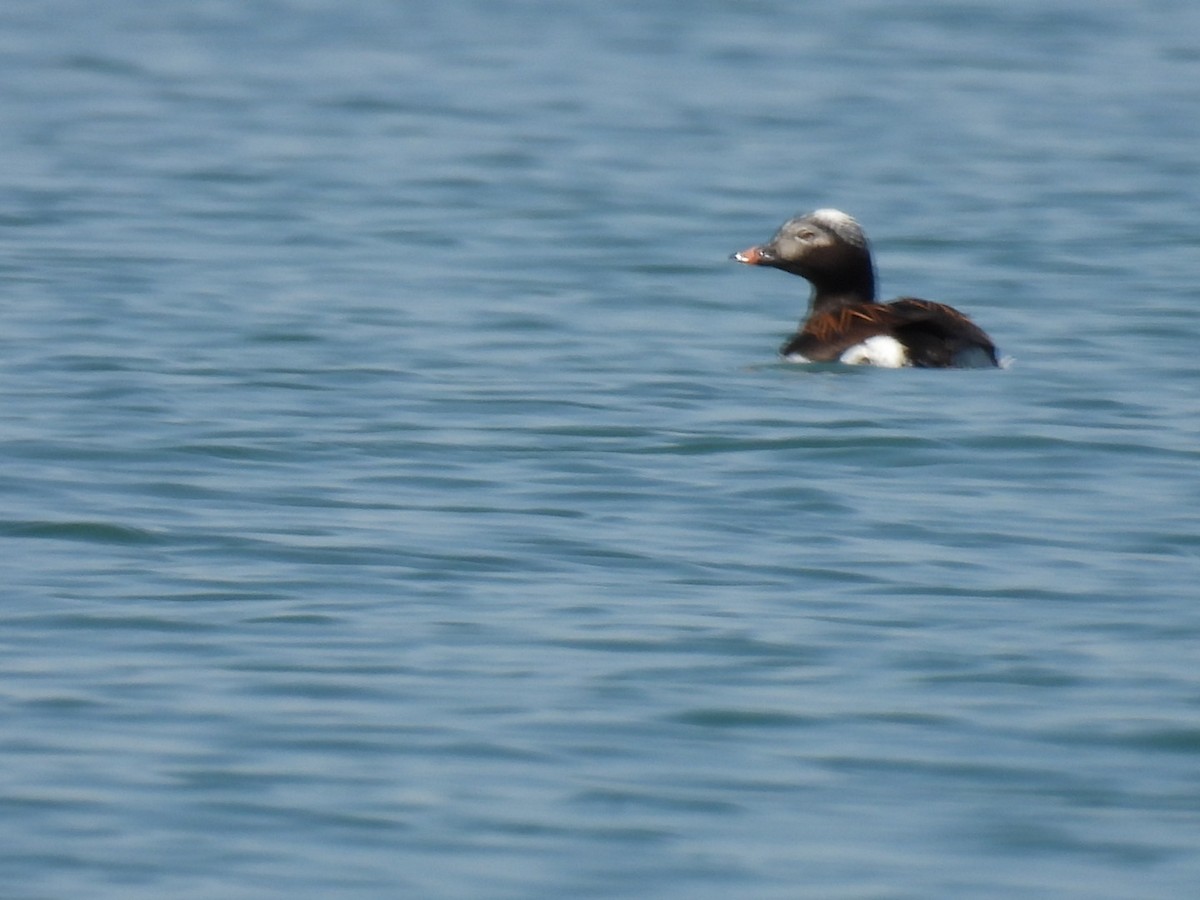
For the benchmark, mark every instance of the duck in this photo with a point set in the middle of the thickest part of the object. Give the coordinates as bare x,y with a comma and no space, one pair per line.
845,323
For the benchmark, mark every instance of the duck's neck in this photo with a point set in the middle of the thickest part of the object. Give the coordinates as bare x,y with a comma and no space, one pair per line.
827,298
853,288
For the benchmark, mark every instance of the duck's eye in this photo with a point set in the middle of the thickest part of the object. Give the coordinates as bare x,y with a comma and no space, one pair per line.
806,235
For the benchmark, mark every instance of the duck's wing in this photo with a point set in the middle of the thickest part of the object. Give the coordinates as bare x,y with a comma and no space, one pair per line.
825,336
937,335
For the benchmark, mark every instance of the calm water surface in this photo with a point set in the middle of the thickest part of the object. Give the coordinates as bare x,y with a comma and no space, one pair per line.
401,496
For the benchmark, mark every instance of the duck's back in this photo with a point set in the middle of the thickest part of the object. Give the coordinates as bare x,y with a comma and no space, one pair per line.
905,332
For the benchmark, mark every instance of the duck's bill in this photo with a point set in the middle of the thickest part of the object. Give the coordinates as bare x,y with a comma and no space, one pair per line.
754,256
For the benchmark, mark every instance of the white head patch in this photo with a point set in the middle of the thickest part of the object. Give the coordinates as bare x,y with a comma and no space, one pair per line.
840,224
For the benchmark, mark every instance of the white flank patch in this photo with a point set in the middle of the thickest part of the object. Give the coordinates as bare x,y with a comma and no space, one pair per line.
879,350
797,358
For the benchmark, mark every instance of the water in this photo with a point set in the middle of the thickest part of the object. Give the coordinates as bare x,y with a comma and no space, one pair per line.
401,497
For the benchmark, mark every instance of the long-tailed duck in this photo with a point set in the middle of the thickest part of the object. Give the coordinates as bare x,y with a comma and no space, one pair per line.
845,323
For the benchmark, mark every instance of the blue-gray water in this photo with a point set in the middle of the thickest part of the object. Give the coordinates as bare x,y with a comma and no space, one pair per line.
401,497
